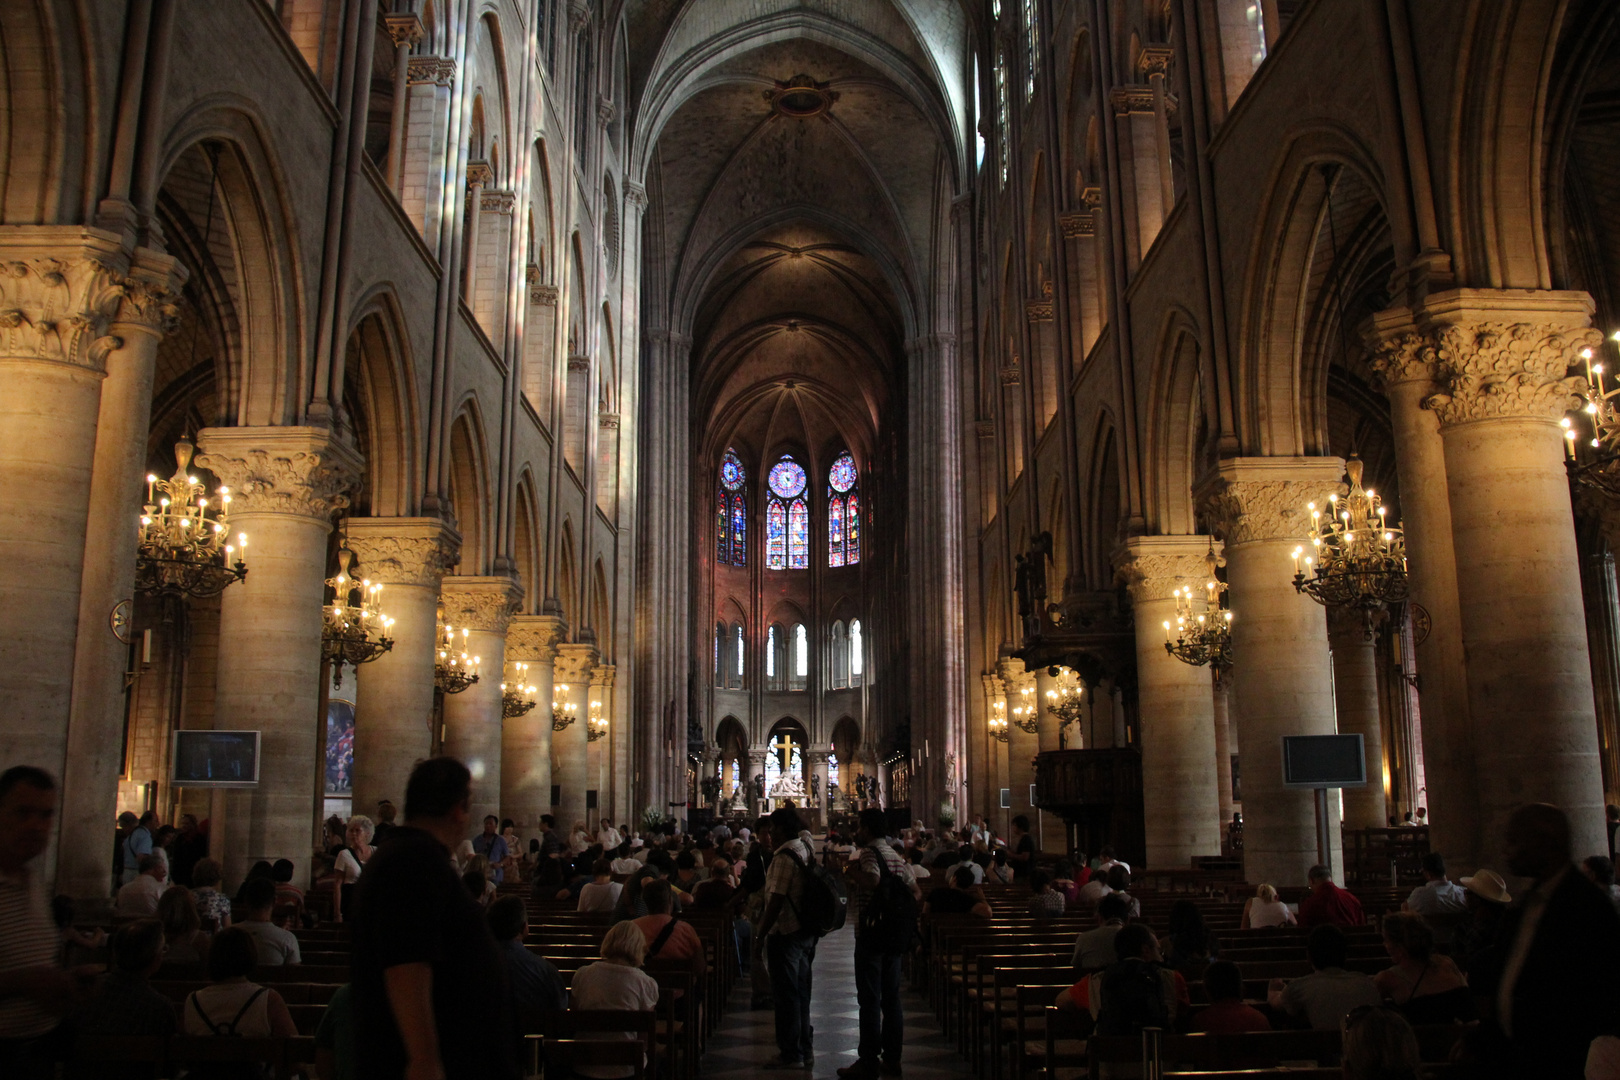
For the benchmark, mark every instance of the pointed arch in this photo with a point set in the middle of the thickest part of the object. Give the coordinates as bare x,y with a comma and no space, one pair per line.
379,397
469,487
526,535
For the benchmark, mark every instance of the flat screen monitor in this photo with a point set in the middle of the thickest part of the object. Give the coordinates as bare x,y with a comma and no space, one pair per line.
1324,761
222,759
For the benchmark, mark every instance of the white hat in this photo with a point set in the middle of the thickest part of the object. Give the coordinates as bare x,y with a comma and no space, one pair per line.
1487,885
636,842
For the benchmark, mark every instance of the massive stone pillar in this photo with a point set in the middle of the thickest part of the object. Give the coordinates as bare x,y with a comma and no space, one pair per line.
1282,673
574,665
1047,735
1355,694
1503,359
472,719
1224,749
1177,708
1021,745
285,483
1406,364
1602,600
526,740
393,701
817,757
599,751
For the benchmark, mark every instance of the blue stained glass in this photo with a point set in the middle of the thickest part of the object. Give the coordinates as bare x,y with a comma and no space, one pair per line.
835,532
852,531
732,473
787,478
776,537
798,538
739,530
843,474
723,550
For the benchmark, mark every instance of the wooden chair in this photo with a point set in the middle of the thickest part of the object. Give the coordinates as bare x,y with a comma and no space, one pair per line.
547,1028
192,1050
569,1053
136,1055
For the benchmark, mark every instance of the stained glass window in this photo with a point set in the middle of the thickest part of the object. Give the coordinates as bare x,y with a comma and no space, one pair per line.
1031,45
843,512
787,518
731,526
1001,113
801,652
739,655
856,664
832,770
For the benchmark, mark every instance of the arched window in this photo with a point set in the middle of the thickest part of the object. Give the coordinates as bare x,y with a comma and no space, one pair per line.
857,664
1032,41
731,504
1002,148
719,643
736,658
840,656
832,770
775,658
843,512
787,518
799,672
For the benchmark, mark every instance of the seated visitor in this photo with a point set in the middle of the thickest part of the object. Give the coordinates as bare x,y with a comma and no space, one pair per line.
1379,1044
140,897
1226,1013
289,897
668,938
1119,881
602,892
616,982
718,890
1106,861
276,945
1095,888
1438,895
623,861
124,1001
1189,945
1137,991
1423,986
184,941
231,1005
1475,942
1327,904
1065,881
957,896
1045,902
1264,909
1323,997
479,865
917,867
1094,948
964,857
262,869
213,906
998,870
535,981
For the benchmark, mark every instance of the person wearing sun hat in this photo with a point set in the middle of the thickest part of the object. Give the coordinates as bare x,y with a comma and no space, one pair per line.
1487,898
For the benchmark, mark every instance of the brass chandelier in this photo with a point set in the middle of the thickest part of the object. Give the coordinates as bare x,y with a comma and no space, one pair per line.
997,724
184,545
454,670
1025,714
1357,558
596,726
1602,471
517,699
1063,700
354,630
563,711
1203,629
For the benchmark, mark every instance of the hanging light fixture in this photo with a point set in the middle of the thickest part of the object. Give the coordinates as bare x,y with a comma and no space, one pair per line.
563,711
354,630
184,546
997,724
596,726
517,699
1357,558
454,670
1601,470
1025,714
1203,629
1063,700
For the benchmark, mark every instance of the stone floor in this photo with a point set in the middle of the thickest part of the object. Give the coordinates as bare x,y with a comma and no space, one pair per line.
747,1037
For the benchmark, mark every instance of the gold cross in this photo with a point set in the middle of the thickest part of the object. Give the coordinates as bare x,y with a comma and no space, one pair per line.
785,746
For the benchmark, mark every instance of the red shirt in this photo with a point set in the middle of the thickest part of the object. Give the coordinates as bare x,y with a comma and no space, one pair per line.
1229,1018
1330,906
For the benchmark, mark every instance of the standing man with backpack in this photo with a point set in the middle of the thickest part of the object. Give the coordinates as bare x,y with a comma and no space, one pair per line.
886,932
790,946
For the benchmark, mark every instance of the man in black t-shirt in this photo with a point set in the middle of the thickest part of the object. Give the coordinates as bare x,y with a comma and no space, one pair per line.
1022,855
959,896
431,999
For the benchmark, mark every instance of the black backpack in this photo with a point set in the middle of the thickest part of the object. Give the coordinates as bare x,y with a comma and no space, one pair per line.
889,919
825,905
1132,999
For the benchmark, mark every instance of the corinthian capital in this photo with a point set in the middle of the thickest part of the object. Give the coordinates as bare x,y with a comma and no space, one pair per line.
534,638
1404,357
1154,566
404,551
305,472
1509,370
480,603
575,663
1252,499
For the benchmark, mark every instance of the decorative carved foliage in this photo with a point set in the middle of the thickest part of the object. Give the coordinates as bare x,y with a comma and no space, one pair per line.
480,603
1499,370
413,555
303,482
60,309
1404,357
575,664
1153,576
534,638
1247,510
439,70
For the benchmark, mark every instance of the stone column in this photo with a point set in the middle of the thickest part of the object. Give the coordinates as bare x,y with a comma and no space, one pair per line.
1355,695
574,665
756,767
1223,749
599,752
1021,745
472,718
405,30
393,701
1281,668
1504,358
1176,706
818,770
1602,601
1405,362
479,174
1047,736
526,740
286,482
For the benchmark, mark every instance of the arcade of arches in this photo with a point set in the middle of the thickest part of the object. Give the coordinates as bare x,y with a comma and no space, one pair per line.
797,387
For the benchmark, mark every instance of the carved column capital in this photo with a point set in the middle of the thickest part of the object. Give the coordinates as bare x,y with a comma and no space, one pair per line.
1153,567
1254,499
404,29
479,174
1154,60
1038,310
1131,98
606,111
635,194
1011,374
985,429
302,471
993,686
579,364
603,675
1404,357
1509,370
438,70
403,551
497,202
480,603
543,294
608,420
1078,225
575,662
534,638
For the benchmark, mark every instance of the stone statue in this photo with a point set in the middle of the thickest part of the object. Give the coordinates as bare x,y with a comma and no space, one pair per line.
759,785
815,787
1021,586
1039,552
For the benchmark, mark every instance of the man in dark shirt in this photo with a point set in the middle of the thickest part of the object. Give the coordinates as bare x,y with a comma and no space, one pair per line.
536,982
548,870
958,897
125,1003
1021,857
430,990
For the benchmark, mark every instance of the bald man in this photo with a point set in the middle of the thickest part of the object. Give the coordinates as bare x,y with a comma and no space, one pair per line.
1552,983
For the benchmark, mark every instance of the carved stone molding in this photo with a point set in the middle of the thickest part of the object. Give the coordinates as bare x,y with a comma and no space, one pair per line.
479,173
543,294
439,70
606,111
579,15
1155,60
579,364
1011,375
608,420
404,29
1508,370
1253,499
1077,225
497,202
1038,310
534,639
300,471
1131,98
1152,567
403,551
1404,357
635,194
603,676
574,663
1091,197
985,428
480,603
